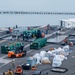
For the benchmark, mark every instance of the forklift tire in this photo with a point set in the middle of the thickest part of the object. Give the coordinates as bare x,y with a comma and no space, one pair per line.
13,56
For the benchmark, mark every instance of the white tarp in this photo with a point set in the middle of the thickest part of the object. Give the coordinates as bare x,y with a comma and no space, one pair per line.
57,60
45,60
38,58
42,54
58,55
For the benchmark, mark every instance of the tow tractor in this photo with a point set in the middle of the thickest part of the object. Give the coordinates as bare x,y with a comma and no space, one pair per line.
17,53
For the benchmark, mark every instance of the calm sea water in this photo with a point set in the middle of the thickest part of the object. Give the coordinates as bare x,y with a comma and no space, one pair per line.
31,19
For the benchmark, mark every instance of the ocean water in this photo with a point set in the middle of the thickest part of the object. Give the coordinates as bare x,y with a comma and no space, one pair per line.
10,20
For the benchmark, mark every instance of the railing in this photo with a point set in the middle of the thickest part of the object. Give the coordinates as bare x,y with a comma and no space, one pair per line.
40,13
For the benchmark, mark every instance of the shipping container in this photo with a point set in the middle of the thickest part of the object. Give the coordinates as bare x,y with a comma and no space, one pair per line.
12,46
69,23
38,43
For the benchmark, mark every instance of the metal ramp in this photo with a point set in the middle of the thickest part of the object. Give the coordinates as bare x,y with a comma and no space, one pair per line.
57,39
59,70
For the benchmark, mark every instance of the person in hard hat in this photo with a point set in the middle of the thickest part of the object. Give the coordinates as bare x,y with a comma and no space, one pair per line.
13,63
18,70
9,72
22,47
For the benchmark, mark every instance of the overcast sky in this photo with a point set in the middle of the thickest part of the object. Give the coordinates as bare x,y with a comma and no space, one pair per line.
38,5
